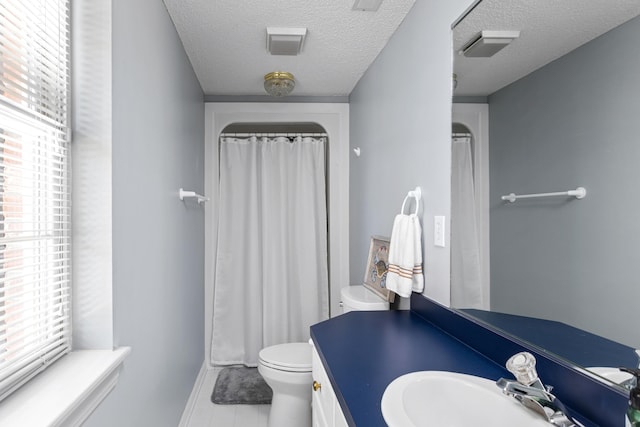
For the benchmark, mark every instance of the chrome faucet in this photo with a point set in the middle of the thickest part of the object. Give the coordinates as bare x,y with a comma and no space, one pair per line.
531,393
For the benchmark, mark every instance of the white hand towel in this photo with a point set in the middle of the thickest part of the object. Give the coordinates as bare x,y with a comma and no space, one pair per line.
405,256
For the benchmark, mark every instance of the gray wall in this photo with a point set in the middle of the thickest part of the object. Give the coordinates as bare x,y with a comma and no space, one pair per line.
572,123
401,119
158,243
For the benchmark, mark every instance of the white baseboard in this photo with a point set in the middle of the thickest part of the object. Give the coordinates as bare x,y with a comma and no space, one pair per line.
191,403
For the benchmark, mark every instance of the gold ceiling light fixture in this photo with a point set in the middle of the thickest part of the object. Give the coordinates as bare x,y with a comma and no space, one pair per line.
279,83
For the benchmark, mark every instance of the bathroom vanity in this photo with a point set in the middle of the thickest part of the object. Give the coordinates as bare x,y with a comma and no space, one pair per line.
326,410
360,353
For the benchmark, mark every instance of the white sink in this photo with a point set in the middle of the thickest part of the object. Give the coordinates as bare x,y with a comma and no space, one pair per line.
435,398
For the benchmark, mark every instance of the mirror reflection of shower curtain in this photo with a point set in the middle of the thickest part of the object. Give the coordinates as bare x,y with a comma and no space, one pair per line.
466,284
271,279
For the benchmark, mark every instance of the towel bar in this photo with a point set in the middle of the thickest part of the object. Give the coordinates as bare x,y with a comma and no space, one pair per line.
578,193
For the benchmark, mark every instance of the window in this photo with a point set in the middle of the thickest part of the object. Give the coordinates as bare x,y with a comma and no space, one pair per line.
35,207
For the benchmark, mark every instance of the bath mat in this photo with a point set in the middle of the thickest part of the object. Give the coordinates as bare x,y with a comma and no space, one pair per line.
241,386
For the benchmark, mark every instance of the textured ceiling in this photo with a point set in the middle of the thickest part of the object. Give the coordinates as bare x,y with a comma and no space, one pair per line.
549,29
226,42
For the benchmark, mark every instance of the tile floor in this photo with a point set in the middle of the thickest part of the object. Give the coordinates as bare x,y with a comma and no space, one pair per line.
207,414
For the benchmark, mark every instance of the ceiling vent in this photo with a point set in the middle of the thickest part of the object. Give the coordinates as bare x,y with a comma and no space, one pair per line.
488,43
285,41
368,5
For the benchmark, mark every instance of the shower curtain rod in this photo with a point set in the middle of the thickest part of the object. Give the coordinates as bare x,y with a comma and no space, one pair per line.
271,134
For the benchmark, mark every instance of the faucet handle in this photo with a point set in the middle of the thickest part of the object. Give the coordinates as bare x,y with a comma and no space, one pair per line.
523,367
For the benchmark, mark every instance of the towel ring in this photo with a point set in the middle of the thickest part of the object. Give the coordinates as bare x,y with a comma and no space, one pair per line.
416,194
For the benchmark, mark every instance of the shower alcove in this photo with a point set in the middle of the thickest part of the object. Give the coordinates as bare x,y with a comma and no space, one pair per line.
472,121
240,118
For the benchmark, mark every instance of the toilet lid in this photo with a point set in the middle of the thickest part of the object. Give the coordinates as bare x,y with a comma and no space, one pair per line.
294,357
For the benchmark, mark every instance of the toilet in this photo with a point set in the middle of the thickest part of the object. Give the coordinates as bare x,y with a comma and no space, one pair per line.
286,368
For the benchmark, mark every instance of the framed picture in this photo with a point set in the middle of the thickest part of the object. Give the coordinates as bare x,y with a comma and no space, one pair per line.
375,275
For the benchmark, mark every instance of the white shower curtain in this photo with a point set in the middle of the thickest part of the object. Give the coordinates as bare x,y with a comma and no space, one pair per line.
466,283
271,279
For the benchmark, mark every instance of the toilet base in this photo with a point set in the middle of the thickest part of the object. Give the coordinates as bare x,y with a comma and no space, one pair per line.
286,368
291,402
289,411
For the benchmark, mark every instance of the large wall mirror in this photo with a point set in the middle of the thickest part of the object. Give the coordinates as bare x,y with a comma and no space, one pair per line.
563,103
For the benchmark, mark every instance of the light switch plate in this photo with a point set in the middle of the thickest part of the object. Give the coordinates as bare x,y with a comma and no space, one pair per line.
438,231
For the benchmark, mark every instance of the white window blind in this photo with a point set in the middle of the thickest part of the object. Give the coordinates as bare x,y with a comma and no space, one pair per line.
35,207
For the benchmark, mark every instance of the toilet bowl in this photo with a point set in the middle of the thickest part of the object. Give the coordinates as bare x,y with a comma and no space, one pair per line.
286,368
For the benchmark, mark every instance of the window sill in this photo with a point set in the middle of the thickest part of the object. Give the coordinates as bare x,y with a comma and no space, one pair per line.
67,392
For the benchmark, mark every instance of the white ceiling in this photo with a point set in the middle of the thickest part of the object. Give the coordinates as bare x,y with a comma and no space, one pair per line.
226,42
549,29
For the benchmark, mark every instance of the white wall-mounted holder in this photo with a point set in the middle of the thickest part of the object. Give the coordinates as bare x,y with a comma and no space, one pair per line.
417,195
357,151
182,194
578,193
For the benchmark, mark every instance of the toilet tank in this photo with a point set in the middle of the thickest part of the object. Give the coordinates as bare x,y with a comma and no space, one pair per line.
359,298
